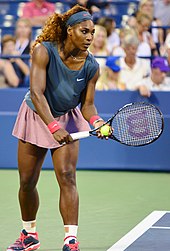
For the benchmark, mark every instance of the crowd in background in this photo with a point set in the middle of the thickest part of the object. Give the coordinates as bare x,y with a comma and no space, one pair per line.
134,56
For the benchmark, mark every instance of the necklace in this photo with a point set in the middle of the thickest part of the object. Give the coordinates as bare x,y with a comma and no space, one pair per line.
71,55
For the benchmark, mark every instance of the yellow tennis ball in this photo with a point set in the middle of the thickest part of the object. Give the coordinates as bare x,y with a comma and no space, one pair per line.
105,130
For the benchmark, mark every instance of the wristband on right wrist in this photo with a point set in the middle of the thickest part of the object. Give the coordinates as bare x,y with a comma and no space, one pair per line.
94,119
100,119
53,126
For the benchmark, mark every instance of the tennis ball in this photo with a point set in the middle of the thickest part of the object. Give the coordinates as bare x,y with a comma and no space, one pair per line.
105,130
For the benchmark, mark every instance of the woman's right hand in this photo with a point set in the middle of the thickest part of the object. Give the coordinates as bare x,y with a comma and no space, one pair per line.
62,136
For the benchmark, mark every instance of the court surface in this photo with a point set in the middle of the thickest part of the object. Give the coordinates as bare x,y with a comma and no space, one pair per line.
152,234
111,204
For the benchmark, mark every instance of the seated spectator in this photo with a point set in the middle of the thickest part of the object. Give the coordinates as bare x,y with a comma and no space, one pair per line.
113,39
37,11
165,52
162,10
168,56
147,7
133,69
119,50
157,81
109,79
147,46
98,46
21,69
23,35
8,77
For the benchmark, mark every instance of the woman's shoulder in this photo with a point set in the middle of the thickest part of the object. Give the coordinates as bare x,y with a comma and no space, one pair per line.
91,59
49,44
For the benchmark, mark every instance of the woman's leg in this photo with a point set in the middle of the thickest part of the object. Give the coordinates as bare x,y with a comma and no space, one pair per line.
64,160
30,160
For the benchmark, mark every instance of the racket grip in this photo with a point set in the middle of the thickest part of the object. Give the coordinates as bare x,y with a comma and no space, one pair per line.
80,135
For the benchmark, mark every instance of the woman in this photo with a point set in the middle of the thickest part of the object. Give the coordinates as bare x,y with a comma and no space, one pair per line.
99,46
8,77
23,34
143,25
63,74
20,67
110,79
133,69
147,7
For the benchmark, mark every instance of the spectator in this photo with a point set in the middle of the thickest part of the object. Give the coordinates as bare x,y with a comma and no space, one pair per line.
145,38
37,11
157,81
113,39
147,7
119,50
21,68
168,56
23,34
109,79
99,46
8,77
166,51
133,69
162,10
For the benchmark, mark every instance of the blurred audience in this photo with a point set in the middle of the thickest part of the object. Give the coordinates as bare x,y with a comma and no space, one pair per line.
158,80
37,11
147,46
162,10
21,69
23,35
119,50
147,6
168,56
110,78
133,69
91,5
113,39
8,77
99,46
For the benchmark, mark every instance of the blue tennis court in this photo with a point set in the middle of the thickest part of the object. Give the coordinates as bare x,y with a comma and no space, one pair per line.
151,234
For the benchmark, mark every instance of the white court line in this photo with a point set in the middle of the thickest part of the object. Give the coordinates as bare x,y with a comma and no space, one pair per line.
161,227
137,231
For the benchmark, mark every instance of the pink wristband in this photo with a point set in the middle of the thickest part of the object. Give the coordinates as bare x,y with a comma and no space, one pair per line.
53,126
94,118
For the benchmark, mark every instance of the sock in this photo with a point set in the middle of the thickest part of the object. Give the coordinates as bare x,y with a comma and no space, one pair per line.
70,233
29,226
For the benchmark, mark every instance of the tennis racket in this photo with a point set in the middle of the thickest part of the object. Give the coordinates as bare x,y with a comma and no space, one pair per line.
135,124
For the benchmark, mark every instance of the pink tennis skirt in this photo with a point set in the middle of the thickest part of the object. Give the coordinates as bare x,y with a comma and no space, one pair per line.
29,127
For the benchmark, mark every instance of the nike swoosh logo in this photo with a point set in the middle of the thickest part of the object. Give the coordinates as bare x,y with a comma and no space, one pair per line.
80,79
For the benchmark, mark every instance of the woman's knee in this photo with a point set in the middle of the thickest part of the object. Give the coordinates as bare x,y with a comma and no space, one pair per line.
27,184
67,177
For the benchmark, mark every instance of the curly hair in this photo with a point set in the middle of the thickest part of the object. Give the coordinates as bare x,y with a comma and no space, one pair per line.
55,29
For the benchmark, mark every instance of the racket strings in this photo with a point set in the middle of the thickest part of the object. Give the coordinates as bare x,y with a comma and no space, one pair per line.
137,125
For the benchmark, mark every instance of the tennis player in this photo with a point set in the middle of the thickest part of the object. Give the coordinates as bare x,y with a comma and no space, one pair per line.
63,75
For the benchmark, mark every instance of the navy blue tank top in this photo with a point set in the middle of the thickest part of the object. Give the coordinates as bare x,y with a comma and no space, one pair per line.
64,86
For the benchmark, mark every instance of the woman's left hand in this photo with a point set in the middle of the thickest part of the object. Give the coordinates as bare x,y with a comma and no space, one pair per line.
99,133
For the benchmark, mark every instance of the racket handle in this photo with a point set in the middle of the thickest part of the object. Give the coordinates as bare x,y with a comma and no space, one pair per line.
80,135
